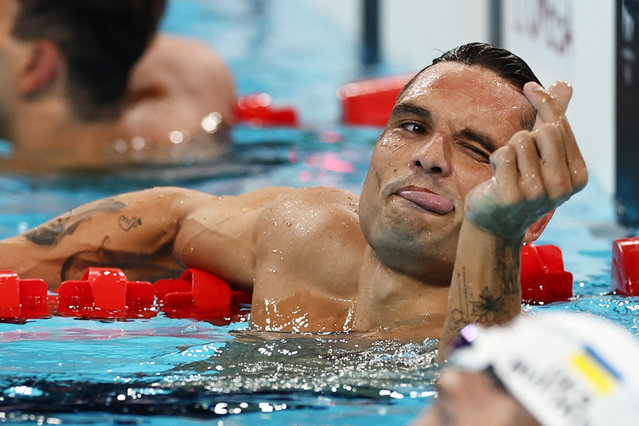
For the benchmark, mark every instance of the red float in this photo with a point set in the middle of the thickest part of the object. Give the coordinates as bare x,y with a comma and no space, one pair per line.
22,298
370,102
107,293
624,274
257,110
543,278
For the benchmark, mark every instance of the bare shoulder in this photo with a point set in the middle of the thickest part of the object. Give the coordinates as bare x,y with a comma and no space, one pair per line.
315,205
325,195
316,232
176,83
188,68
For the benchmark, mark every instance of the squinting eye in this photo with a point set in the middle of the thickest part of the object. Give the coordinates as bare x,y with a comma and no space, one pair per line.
413,128
477,152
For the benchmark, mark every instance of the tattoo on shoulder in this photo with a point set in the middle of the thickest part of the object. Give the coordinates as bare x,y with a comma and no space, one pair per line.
51,233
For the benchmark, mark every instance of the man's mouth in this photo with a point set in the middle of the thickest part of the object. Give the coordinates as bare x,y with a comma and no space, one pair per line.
427,200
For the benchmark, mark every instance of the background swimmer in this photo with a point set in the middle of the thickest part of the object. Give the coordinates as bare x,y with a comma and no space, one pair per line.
177,86
65,98
458,180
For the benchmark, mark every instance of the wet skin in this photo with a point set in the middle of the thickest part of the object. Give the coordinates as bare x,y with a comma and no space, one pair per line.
473,398
434,150
321,259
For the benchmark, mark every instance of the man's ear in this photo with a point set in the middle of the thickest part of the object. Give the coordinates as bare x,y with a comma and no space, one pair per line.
535,230
40,68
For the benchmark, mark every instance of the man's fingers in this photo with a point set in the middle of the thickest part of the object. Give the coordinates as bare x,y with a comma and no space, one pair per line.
530,177
550,104
562,92
554,165
506,175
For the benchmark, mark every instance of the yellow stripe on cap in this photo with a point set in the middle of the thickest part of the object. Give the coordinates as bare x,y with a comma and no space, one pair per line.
594,373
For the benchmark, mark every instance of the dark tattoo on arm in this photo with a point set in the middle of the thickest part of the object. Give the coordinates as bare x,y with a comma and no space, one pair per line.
507,268
127,223
51,233
489,309
490,306
458,319
147,266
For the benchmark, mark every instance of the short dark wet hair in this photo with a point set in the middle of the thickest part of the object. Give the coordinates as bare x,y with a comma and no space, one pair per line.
101,41
502,62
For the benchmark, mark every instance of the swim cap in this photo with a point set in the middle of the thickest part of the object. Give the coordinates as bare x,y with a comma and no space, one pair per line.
565,369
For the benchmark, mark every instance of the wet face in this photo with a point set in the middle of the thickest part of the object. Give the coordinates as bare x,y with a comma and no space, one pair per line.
433,151
8,13
473,398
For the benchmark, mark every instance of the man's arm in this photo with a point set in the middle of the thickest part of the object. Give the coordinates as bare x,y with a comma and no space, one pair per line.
133,231
136,232
534,173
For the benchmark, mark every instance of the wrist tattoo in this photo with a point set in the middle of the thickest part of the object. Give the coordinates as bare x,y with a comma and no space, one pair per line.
489,308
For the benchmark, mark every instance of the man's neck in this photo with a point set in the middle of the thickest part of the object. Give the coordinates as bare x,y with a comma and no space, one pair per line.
48,138
388,299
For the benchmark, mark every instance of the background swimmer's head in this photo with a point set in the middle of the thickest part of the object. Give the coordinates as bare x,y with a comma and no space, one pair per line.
99,40
502,62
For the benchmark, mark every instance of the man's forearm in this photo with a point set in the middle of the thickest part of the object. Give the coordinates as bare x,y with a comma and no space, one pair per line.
485,287
132,231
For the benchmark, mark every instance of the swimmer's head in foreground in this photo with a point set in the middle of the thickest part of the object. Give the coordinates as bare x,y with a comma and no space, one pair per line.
555,369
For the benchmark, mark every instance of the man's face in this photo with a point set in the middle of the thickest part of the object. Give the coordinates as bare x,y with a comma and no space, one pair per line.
473,398
434,150
8,13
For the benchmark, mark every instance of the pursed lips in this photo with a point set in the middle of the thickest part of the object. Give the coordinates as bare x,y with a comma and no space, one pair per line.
426,199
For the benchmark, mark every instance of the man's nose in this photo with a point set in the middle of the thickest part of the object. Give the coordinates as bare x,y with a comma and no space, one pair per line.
433,156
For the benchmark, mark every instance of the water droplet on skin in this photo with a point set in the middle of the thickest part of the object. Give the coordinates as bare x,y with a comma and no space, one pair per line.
289,224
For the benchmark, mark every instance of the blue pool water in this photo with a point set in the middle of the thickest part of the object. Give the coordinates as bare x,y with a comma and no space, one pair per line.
164,371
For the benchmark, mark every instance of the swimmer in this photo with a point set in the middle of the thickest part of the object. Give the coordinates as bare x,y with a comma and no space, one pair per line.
180,92
554,369
71,99
473,161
